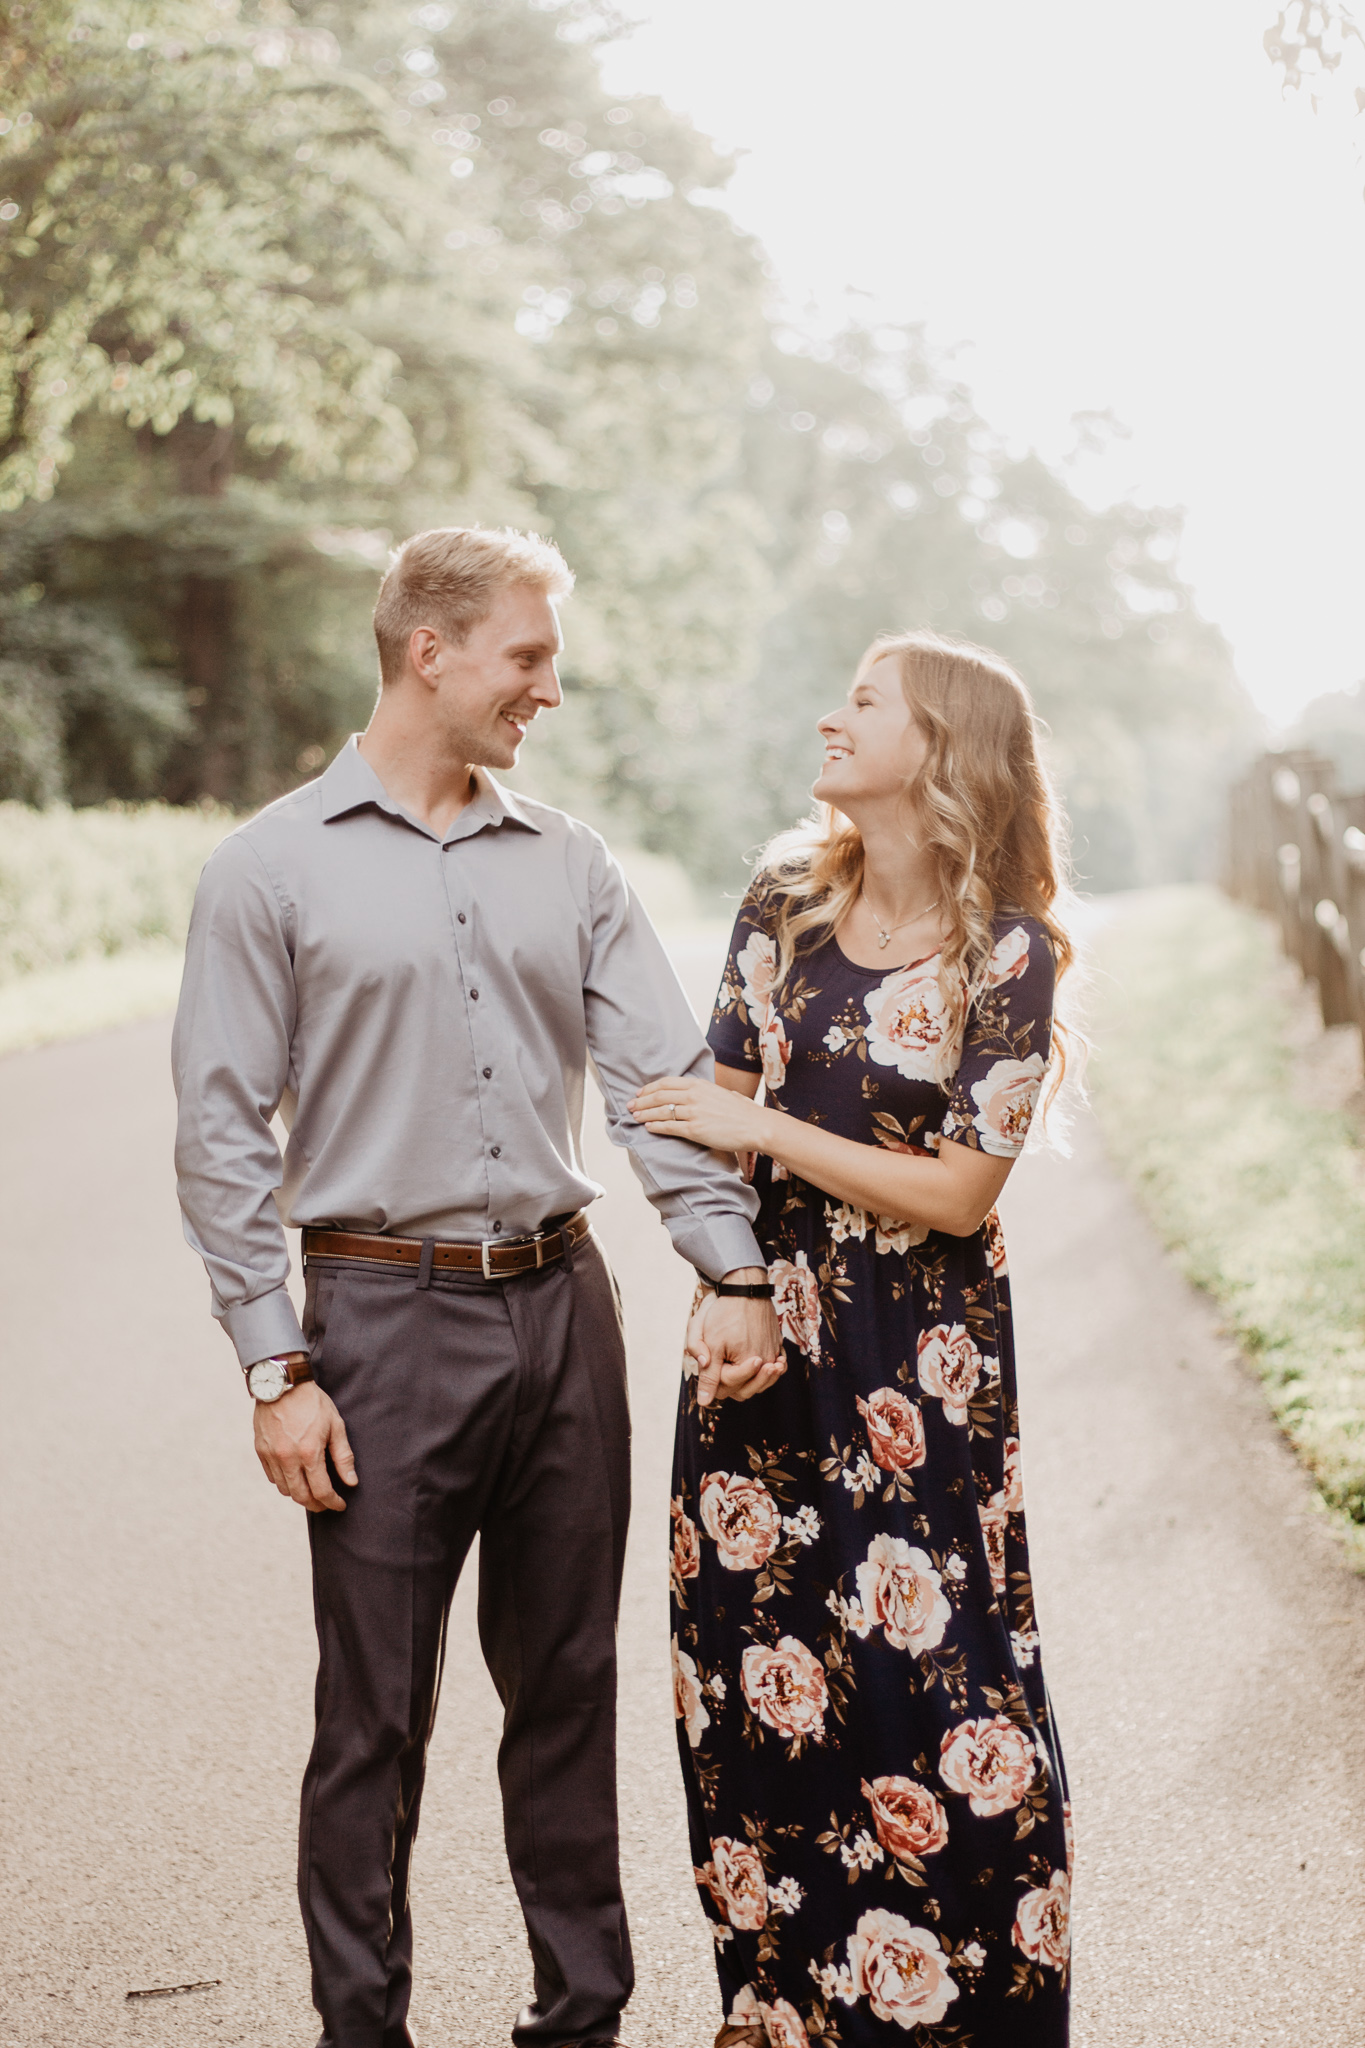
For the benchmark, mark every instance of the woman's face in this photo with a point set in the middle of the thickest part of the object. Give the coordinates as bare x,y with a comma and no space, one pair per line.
874,745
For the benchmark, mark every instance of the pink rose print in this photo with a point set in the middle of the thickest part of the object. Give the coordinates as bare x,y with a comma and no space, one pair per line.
796,1302
901,1593
895,1430
735,1879
908,1027
685,1558
908,1819
995,1244
1009,959
1004,1104
784,2026
773,1049
742,1518
993,1516
900,1970
1014,1478
688,1706
757,963
1070,1838
949,1368
1042,1923
990,1762
786,1688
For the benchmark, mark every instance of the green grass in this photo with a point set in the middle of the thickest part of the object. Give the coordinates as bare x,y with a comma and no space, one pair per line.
1260,1196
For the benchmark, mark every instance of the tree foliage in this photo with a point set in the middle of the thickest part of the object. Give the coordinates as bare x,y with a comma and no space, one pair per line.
278,284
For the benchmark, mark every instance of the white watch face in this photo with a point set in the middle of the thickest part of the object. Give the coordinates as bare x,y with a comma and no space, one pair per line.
268,1380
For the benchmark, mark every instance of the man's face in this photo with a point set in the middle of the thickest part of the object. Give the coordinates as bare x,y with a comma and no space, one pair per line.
491,688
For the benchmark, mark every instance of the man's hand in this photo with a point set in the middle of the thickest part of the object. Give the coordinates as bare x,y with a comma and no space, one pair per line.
737,1344
293,1437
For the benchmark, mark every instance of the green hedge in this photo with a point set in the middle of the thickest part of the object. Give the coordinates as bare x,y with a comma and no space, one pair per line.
1259,1194
81,885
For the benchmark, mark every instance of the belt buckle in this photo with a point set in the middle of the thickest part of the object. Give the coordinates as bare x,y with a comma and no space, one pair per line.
486,1246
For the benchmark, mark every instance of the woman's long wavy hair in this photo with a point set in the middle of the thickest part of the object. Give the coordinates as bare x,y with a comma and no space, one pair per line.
981,803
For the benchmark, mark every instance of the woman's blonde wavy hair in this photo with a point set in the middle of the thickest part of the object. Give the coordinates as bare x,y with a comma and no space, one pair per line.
983,806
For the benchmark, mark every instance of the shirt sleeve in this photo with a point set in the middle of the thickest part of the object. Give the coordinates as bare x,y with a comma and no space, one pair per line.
640,1026
743,1000
230,1059
1006,1046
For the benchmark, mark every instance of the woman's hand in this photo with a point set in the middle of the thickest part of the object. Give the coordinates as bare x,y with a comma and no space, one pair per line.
719,1118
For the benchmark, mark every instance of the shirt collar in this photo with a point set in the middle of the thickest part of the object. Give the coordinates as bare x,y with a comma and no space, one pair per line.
351,783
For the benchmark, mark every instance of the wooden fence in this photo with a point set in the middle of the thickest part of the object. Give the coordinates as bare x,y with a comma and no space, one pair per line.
1296,850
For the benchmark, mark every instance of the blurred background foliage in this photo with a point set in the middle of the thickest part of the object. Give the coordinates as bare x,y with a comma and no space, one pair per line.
280,284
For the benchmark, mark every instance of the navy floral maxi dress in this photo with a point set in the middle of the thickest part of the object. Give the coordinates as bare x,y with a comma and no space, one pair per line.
875,1788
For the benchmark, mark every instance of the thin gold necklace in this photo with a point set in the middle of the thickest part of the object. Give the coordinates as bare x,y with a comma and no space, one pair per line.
884,932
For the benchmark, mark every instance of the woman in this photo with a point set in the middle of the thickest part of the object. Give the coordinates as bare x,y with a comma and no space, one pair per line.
875,1788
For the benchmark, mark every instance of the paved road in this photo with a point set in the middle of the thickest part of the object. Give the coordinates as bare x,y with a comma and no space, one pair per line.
1206,1649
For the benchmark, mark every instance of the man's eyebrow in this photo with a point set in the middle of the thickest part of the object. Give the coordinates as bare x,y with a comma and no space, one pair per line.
534,647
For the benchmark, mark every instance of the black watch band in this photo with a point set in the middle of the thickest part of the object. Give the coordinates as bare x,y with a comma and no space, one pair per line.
748,1290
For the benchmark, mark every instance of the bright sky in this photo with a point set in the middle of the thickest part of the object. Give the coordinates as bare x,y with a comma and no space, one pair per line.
1108,206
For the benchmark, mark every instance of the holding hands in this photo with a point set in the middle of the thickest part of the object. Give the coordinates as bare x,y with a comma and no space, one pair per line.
736,1343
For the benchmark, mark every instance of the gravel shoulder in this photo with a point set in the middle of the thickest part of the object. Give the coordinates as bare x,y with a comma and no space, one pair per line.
1205,1645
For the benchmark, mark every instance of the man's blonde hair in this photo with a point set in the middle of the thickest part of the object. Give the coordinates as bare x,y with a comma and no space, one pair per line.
449,578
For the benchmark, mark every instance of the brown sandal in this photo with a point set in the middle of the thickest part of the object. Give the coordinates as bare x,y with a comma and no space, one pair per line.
741,2037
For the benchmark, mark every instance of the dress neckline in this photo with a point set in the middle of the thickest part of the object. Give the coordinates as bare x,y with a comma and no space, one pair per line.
879,969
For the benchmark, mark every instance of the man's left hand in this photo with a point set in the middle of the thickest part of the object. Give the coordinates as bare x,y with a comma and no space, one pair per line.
736,1342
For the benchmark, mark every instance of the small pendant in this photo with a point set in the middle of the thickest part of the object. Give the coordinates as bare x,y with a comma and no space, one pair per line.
884,941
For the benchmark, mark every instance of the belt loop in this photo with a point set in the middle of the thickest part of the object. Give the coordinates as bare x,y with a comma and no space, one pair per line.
424,1263
566,1246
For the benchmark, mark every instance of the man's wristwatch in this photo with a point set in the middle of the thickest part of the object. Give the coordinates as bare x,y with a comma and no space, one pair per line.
268,1378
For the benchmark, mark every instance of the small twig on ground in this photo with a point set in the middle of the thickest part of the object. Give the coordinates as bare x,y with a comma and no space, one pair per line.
175,1990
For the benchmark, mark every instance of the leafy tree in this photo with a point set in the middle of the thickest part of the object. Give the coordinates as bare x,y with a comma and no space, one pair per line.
284,282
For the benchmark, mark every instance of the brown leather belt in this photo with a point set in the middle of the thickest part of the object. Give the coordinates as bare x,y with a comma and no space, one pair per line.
494,1258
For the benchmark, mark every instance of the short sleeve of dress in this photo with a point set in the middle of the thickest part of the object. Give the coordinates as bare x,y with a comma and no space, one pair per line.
744,1000
1006,1045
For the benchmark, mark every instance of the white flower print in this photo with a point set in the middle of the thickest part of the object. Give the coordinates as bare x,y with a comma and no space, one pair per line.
1025,1646
835,1982
895,1236
836,1037
785,1896
844,1222
862,1851
804,1525
861,1476
850,1614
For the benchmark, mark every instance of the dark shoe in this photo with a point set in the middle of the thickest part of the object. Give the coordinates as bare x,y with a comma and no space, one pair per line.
741,2037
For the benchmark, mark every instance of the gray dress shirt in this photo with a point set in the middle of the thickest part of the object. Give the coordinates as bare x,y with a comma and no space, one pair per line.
421,1011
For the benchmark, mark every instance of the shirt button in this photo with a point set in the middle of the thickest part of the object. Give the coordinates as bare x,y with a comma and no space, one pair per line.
473,995
496,1151
488,1073
459,917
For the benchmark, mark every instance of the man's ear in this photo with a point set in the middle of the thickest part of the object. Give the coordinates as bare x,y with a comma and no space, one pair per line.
424,646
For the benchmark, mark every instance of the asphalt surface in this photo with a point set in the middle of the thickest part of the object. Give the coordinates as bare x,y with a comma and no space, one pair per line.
1205,1646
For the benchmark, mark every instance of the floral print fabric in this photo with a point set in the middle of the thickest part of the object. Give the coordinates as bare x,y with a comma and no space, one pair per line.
875,1790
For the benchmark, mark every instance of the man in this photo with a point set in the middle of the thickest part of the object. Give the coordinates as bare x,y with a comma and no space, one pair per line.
414,966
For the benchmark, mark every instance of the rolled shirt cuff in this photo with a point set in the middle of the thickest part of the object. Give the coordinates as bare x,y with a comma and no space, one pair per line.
717,1245
265,1327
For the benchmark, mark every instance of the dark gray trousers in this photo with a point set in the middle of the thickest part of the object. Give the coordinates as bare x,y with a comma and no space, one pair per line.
496,1407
